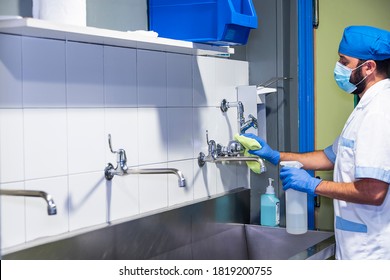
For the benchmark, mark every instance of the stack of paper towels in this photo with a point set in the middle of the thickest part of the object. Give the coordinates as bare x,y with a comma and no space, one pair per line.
62,11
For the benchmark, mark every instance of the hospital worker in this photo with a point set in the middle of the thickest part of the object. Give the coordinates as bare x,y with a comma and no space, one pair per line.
360,156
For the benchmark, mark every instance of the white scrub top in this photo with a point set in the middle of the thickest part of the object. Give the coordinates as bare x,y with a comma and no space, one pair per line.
363,151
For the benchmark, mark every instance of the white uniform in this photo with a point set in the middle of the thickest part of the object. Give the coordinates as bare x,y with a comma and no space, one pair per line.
363,151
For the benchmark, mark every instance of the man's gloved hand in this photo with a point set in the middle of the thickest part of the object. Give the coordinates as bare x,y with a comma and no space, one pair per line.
298,179
265,152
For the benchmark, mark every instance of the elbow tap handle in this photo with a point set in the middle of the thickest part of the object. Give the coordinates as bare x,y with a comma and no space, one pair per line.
212,145
110,145
121,158
253,120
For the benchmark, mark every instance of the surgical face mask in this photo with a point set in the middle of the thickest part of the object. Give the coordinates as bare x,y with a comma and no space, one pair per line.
342,75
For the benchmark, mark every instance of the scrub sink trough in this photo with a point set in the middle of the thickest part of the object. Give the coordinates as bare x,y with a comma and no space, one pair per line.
216,228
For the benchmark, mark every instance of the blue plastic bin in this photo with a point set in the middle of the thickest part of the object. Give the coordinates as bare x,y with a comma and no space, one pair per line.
217,22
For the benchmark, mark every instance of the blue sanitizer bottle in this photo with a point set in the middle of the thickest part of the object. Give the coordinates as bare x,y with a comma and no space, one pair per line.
269,203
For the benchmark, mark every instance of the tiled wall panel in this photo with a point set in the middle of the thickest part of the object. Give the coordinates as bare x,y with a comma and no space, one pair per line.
59,100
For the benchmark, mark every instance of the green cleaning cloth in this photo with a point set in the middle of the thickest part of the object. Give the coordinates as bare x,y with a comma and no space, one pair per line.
249,144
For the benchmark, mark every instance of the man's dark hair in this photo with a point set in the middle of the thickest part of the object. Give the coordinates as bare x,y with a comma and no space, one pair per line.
383,67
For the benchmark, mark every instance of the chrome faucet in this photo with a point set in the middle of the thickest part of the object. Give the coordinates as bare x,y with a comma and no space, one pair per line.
121,162
216,151
122,170
212,148
252,122
243,125
232,152
51,207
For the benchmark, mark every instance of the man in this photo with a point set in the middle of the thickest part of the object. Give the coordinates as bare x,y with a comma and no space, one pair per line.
360,156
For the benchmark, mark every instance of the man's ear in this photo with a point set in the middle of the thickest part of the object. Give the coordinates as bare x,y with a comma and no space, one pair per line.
370,67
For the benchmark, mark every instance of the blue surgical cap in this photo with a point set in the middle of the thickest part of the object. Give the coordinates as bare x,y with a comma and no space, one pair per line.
365,42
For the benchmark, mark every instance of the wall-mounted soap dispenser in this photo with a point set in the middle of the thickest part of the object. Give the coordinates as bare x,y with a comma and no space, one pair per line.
269,207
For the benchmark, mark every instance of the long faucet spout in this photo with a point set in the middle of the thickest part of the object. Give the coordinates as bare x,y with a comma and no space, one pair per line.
122,169
202,159
51,206
240,158
110,171
178,173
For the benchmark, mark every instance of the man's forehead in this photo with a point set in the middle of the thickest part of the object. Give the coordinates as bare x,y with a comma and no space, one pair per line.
347,58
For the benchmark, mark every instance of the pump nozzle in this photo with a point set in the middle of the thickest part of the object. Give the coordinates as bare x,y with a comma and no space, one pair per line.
270,188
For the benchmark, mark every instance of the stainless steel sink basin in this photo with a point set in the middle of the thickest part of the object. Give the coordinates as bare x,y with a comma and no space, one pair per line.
213,229
266,243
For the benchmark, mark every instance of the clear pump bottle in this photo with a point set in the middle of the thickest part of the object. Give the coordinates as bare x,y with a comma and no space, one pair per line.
296,206
269,207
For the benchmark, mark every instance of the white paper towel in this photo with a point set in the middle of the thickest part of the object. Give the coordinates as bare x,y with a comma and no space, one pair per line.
62,11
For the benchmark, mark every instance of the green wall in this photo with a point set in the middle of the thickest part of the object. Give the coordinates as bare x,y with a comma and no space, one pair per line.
333,106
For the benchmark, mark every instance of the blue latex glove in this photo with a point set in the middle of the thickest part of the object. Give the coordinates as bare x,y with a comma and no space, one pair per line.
265,152
299,180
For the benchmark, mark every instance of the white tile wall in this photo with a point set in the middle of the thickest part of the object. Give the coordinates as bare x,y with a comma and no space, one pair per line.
226,177
87,200
204,81
58,102
122,197
179,80
152,135
152,78
38,222
120,77
10,71
13,224
226,79
11,145
153,190
86,136
45,145
180,133
43,58
205,180
84,75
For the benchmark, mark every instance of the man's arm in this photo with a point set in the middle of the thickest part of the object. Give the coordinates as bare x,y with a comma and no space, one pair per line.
316,160
365,191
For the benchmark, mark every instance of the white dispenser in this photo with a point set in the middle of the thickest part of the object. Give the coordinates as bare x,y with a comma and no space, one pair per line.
72,12
296,206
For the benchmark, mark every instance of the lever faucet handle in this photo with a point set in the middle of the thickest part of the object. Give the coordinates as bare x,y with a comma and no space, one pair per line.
121,155
212,145
122,159
253,120
110,145
213,148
